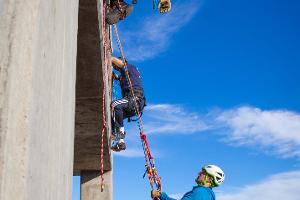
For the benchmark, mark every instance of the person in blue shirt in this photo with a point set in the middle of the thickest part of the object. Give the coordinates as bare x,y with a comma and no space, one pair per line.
125,107
210,176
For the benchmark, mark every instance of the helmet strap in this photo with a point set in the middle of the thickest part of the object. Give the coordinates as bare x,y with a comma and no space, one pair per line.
205,182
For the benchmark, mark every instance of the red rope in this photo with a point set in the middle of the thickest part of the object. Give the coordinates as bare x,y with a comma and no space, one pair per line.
104,125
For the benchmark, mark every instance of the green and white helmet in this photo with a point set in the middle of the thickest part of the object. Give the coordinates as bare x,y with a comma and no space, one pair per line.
215,172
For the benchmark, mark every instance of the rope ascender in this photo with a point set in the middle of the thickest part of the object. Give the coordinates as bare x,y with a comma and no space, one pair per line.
155,180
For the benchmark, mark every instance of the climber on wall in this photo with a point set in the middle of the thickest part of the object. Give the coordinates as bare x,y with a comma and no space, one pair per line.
118,10
125,107
210,176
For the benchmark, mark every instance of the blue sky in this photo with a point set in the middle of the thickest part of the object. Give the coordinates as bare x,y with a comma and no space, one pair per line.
222,80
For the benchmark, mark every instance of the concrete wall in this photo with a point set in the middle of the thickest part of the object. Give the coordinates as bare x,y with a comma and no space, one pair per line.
37,98
89,105
89,90
91,184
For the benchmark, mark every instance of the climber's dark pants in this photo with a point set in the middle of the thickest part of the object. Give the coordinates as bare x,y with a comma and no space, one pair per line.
124,108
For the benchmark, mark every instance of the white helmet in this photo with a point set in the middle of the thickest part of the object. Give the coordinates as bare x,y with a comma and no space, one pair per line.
216,172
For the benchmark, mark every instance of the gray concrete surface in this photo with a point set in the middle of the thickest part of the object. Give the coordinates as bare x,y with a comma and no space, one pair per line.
89,88
37,98
91,184
89,91
38,113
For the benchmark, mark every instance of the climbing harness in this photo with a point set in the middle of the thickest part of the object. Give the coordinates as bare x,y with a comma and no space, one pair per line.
155,180
134,118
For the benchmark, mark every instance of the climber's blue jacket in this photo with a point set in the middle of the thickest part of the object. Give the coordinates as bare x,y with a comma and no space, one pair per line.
197,193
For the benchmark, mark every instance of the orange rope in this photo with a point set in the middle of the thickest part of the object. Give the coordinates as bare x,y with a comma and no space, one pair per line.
150,168
129,80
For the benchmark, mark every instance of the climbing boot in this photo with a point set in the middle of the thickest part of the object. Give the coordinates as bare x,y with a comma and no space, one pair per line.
113,136
118,12
119,135
113,16
119,146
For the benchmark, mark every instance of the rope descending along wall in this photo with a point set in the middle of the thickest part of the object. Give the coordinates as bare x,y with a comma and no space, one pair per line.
152,174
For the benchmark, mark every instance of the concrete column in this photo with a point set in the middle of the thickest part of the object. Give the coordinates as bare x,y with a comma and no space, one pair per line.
89,93
91,185
38,43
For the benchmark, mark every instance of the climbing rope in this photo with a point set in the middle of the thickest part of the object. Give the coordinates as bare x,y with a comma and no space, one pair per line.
155,180
104,66
163,6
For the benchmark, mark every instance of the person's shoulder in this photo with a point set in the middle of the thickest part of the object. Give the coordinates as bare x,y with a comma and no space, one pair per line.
204,193
199,188
202,189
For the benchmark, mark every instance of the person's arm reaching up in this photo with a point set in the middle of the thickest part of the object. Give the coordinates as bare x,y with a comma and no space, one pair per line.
117,63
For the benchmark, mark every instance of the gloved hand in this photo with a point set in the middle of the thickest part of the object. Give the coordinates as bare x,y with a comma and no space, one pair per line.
155,194
164,6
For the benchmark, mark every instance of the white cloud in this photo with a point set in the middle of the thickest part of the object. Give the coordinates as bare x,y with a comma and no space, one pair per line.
170,119
280,186
130,153
160,118
135,150
274,130
176,196
151,36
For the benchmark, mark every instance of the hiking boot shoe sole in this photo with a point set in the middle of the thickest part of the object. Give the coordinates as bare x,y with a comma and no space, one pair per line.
119,147
114,136
122,135
113,17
